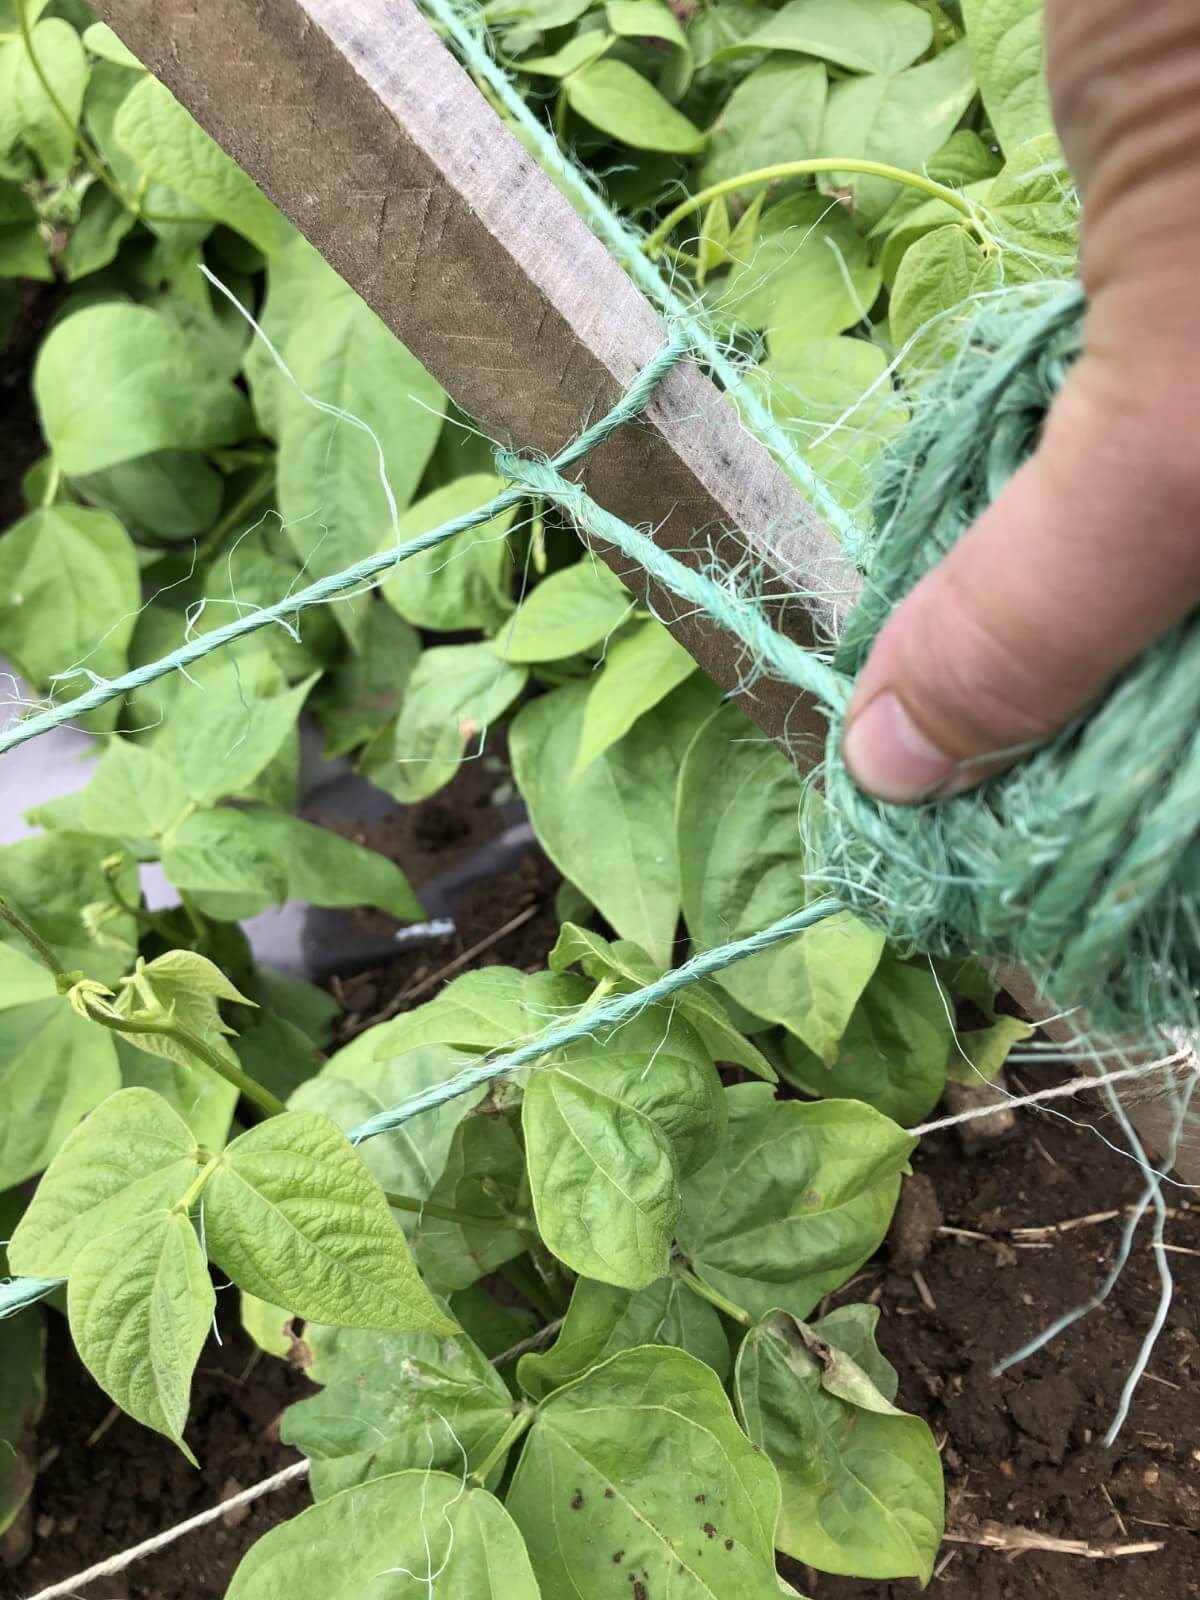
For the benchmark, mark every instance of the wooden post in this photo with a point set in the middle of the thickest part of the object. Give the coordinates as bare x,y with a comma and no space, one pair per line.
363,129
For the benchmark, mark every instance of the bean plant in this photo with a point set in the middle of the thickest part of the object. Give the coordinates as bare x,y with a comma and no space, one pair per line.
681,1378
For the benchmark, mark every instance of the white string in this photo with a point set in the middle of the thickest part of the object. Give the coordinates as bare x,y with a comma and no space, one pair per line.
1061,1091
137,1552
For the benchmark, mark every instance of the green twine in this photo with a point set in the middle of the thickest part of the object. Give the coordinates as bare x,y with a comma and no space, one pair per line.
586,1022
363,574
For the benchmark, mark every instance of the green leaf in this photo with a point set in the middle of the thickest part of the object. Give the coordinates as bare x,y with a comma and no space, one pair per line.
862,1482
861,35
269,1326
644,19
493,1008
133,792
48,130
294,1216
174,494
838,402
96,238
482,1178
808,276
219,859
610,1125
323,869
226,722
979,1053
162,138
893,1051
149,387
69,593
774,114
47,879
934,292
390,1401
638,1474
22,1397
103,42
133,1155
1033,212
22,248
54,1068
1007,42
742,867
182,987
455,692
610,829
356,1083
851,1329
576,53
615,98
899,118
701,1004
639,671
331,493
140,1304
411,1531
794,1201
364,692
462,583
602,1320
567,612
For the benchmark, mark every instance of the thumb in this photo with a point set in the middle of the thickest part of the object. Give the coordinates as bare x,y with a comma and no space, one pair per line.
1090,553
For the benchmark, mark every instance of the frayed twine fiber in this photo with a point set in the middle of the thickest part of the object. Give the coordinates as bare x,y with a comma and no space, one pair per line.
1081,863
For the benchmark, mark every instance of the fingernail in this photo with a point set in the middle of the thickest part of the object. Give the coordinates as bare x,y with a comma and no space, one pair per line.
889,756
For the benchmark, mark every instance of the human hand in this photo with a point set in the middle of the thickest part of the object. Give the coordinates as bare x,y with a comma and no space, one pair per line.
1093,550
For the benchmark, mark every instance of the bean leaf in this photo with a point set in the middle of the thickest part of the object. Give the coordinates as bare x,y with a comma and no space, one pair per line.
462,583
168,144
742,866
615,98
610,1124
639,671
411,1531
394,1400
610,829
150,387
602,1320
140,1304
637,1475
49,93
861,35
1007,42
793,1202
568,612
482,1178
69,594
293,1216
862,1481
132,1156
774,114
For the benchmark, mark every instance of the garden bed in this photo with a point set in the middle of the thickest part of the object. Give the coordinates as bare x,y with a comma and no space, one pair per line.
1021,1451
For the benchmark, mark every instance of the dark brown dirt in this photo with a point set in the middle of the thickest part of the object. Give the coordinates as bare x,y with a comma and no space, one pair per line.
22,438
1023,1451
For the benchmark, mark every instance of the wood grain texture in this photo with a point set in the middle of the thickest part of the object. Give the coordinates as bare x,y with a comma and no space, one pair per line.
362,128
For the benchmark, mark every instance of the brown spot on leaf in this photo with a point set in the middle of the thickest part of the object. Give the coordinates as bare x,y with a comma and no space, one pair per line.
608,1494
640,1591
577,1500
618,1557
700,1499
729,1544
710,1531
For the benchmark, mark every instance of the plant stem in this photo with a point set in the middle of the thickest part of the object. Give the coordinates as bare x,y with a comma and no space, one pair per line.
89,155
32,938
430,1208
713,1296
254,1091
503,1445
196,1188
655,241
244,503
526,1282
142,914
